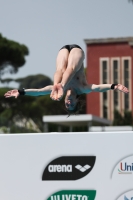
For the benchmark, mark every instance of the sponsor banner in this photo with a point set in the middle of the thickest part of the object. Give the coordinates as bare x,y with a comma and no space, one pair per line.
36,166
73,195
124,167
69,168
126,196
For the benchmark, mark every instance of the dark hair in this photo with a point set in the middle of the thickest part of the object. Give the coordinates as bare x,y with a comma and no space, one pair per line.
77,108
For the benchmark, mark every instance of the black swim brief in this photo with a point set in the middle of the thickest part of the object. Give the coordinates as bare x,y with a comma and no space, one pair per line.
70,47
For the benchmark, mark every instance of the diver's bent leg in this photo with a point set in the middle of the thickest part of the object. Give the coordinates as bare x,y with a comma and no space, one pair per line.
75,59
75,62
61,64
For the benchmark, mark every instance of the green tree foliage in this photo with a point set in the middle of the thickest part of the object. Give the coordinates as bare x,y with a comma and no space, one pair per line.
34,81
12,55
7,80
27,107
126,119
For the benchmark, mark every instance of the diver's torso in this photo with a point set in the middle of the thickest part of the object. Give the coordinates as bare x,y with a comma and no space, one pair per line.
78,82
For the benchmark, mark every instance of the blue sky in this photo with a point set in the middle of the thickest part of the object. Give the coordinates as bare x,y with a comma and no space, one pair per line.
44,26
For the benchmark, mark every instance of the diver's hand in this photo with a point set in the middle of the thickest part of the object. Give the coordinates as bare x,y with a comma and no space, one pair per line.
57,92
12,93
60,91
121,88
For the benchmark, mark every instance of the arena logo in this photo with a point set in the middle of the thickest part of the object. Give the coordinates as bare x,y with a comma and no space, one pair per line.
73,195
60,168
124,166
126,196
69,168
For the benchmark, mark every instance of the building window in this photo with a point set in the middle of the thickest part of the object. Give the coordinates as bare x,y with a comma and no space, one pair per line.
126,83
115,100
116,81
104,71
126,73
104,80
105,108
115,71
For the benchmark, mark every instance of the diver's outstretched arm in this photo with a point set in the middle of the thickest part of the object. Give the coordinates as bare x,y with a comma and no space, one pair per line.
29,92
105,87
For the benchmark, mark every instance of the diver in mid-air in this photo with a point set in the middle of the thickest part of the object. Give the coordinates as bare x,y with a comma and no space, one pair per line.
69,79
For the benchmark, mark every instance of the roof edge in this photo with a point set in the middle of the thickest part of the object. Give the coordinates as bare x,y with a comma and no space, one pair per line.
129,40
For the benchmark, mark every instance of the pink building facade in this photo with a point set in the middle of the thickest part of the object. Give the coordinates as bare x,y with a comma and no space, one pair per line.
109,61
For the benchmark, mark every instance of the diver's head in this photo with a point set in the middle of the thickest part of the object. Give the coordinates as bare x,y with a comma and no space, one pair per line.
72,102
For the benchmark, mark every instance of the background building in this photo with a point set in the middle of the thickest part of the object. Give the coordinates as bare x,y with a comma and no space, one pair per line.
109,60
